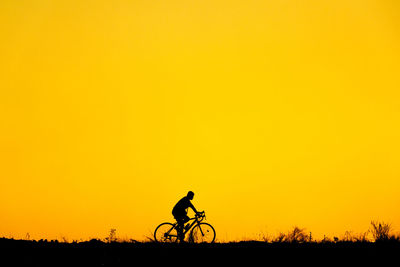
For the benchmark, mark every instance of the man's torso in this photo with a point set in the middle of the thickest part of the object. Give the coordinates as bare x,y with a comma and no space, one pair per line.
181,206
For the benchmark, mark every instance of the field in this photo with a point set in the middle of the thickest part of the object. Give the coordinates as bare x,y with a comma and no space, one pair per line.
99,253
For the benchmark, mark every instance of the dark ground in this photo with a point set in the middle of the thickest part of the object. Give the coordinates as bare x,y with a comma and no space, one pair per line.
97,253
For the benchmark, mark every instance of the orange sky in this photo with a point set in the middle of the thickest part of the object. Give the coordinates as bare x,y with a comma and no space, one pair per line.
275,113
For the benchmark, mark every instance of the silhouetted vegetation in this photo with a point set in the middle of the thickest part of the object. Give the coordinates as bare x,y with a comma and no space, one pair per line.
382,232
379,243
296,235
112,237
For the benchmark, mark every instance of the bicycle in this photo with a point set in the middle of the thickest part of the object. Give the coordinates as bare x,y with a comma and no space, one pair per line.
200,232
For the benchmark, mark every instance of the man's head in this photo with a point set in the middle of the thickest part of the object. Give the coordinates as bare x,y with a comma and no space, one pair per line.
190,195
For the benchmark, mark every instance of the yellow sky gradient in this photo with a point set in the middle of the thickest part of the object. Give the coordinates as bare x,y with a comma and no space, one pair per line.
275,113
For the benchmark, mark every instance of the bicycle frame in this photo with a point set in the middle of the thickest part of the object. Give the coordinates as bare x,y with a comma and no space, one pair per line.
199,231
195,222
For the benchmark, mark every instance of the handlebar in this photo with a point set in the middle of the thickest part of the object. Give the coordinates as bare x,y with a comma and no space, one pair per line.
200,215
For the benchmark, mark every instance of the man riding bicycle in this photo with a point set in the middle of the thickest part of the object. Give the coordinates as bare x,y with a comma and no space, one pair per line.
199,231
180,212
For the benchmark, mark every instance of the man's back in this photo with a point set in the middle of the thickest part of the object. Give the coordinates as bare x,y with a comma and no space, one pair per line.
181,206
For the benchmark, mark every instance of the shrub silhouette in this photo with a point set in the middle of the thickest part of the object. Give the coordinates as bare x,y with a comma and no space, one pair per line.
349,236
280,238
297,235
112,237
380,231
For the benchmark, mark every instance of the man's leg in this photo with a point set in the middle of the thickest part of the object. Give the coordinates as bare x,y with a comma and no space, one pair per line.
181,224
185,220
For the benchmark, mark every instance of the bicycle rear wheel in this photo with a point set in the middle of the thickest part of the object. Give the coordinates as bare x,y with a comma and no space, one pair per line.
166,233
202,233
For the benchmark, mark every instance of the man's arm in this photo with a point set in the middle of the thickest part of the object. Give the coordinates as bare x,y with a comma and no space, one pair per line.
193,208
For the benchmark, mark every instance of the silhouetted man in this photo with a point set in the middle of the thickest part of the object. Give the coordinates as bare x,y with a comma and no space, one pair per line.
180,212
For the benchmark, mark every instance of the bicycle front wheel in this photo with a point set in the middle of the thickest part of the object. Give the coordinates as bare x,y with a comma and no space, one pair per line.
166,233
202,233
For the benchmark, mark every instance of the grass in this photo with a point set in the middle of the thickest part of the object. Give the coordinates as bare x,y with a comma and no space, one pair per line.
295,246
377,233
130,252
